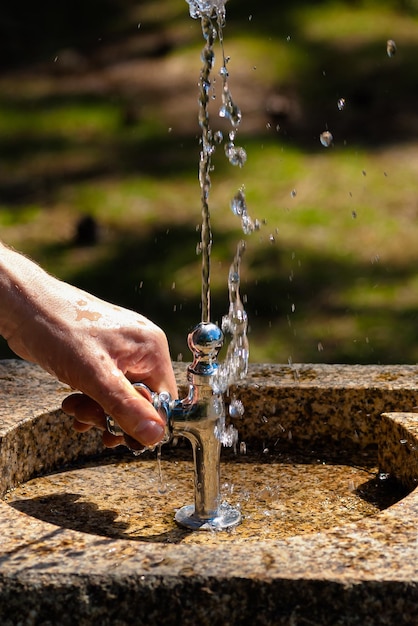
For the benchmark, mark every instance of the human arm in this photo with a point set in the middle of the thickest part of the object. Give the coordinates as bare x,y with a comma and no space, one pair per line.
93,346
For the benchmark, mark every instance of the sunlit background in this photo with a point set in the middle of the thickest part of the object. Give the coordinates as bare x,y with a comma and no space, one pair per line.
99,153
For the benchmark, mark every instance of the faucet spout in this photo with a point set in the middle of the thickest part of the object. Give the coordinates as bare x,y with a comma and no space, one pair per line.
199,417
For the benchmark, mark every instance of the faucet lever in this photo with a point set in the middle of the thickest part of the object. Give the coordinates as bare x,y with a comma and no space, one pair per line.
162,403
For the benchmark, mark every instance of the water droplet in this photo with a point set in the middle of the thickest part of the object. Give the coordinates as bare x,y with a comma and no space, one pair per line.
403,441
235,154
227,435
236,408
341,104
206,8
218,406
238,204
391,48
218,136
229,110
326,138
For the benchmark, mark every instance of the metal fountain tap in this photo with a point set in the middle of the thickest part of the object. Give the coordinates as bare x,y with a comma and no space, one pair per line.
199,417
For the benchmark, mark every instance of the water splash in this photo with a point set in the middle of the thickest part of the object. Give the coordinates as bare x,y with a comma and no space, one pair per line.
239,208
341,104
235,324
206,8
391,48
326,139
236,408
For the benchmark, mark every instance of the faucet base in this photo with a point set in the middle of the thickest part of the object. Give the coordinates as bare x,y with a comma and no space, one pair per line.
226,517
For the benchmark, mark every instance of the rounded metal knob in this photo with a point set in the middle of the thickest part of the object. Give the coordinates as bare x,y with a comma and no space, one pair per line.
205,342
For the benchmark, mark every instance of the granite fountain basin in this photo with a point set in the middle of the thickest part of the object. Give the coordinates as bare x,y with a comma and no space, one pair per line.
324,471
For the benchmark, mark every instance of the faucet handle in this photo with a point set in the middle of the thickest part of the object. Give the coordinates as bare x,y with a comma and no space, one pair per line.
162,403
205,342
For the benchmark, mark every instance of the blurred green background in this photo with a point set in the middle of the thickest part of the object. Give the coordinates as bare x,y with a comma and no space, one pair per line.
99,150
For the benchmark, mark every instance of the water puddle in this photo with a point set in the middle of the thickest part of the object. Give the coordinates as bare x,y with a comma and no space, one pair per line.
280,496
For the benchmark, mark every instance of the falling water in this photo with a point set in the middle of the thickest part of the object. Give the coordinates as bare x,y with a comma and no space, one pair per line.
212,16
235,366
235,323
205,162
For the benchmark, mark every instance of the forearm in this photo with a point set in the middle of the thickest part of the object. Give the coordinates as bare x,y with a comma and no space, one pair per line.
19,277
26,293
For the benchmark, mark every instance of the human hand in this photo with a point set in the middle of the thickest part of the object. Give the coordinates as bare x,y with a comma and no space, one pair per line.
95,347
146,360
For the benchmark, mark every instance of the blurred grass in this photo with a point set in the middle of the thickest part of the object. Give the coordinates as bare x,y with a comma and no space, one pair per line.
101,121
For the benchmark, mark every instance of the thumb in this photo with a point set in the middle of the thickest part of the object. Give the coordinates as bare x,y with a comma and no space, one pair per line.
131,408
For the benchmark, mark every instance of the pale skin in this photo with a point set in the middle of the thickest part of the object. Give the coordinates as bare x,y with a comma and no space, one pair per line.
93,346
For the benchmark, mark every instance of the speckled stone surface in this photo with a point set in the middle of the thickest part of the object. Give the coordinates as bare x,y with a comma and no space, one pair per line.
360,573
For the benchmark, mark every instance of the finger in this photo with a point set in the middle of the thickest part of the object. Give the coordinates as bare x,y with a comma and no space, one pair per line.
111,441
160,377
166,382
88,413
134,413
85,411
70,403
80,427
133,444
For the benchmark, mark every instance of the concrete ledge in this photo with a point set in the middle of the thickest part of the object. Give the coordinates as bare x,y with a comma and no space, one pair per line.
357,574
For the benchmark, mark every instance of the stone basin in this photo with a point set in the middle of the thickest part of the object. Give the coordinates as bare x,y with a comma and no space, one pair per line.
326,487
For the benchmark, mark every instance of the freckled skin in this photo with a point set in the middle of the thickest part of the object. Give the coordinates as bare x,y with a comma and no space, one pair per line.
83,341
87,315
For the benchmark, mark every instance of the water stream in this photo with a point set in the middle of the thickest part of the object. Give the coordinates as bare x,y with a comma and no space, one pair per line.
235,324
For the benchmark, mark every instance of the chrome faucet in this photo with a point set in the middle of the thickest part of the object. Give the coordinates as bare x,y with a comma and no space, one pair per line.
199,417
